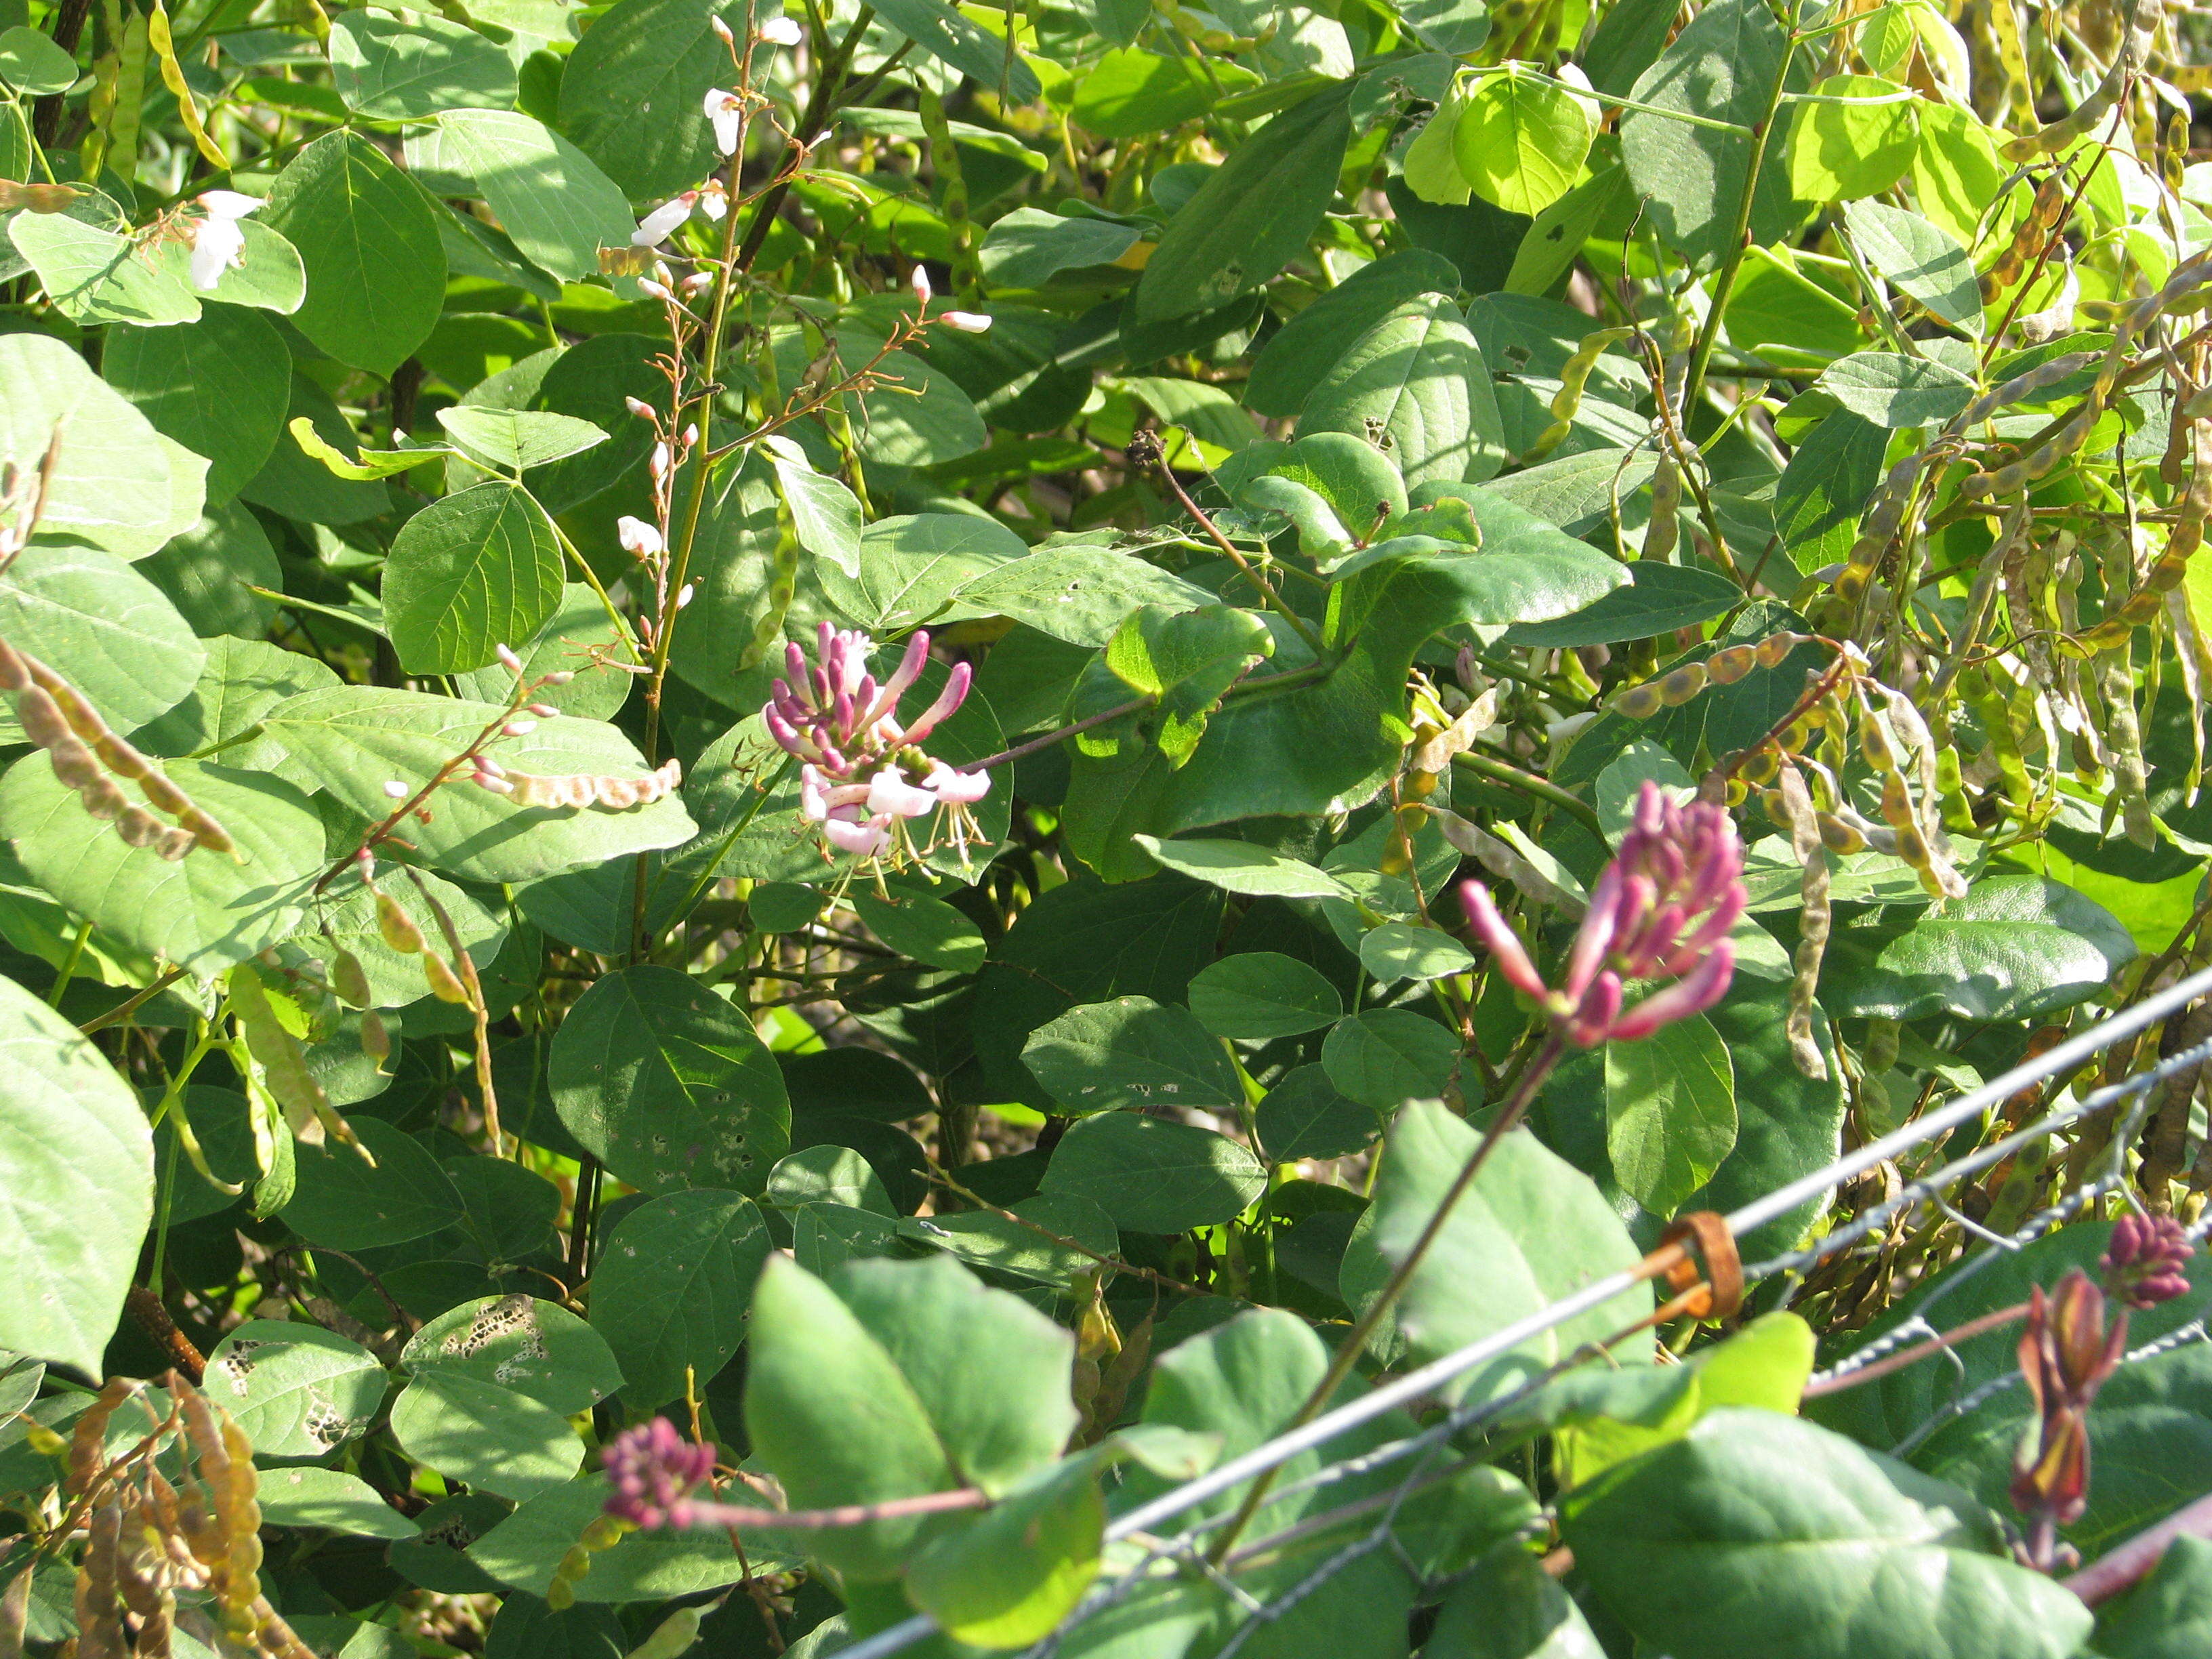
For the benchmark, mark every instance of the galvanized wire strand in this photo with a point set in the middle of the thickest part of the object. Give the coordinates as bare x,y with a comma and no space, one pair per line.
1425,1381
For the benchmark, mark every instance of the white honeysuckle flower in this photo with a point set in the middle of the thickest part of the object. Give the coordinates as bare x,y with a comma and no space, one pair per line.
217,241
888,792
637,535
658,226
957,789
727,112
968,322
781,32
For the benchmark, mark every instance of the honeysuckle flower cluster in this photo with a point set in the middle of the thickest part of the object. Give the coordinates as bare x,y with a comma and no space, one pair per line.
218,241
1663,907
865,773
2066,1353
652,1471
2147,1261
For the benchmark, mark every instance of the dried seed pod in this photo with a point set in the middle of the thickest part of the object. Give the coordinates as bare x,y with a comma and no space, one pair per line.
14,672
206,831
84,720
1838,836
40,717
397,929
125,761
74,763
1727,667
375,1037
161,791
174,843
1797,809
1639,703
103,797
138,827
1679,685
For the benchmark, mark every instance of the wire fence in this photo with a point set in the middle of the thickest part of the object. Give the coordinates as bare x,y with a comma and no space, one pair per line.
1140,1554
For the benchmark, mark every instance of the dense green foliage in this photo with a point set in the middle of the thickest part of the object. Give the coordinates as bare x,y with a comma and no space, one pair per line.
473,987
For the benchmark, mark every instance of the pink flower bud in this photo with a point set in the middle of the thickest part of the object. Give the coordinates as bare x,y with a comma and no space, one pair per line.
652,289
690,436
639,538
697,283
561,677
638,407
544,711
497,785
684,594
722,29
396,790
920,284
968,322
509,661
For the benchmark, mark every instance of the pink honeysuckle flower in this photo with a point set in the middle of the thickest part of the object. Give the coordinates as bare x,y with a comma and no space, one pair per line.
1663,907
961,788
217,240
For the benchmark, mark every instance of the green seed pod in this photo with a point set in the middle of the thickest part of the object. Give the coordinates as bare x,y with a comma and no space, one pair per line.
1679,685
397,926
1727,667
349,979
1838,836
444,984
1639,703
375,1038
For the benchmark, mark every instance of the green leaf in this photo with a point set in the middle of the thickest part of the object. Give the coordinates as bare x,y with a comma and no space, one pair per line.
830,1414
535,1348
1724,67
1508,1608
824,515
549,196
1398,949
1303,1116
1029,247
1520,142
671,1290
2168,1615
492,1438
31,63
402,69
1185,663
1259,995
1153,1176
1920,259
945,33
369,238
295,1390
829,1174
1529,1229
524,1549
923,928
96,275
111,484
1386,1056
352,739
220,386
668,1086
1128,94
1832,473
1008,1579
913,568
1452,26
1080,594
991,1372
1841,152
1415,384
468,574
329,1500
204,912
1237,866
347,1203
80,1190
1306,348
1130,1053
564,644
1894,390
1659,599
1756,1532
634,91
1670,1112
1252,214
103,627
988,1240
2016,947
518,438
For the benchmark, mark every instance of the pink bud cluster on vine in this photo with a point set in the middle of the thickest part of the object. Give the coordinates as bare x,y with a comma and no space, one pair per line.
652,1471
2147,1261
1663,907
865,771
2066,1353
